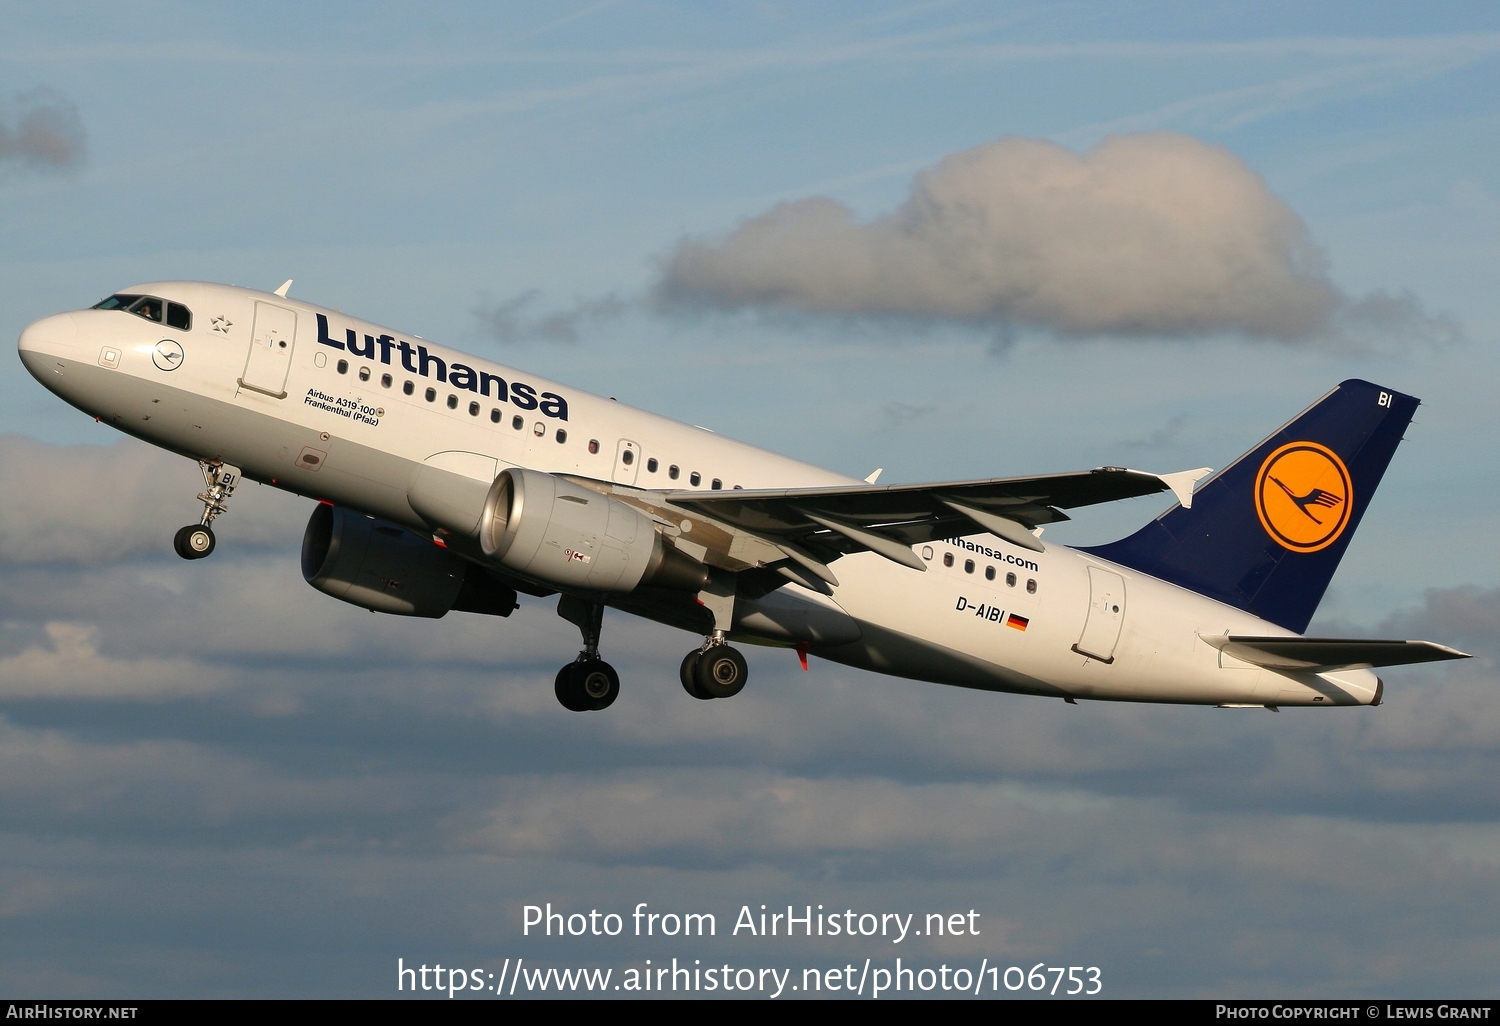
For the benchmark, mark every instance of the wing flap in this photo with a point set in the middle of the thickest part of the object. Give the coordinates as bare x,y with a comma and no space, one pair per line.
922,512
1321,654
814,526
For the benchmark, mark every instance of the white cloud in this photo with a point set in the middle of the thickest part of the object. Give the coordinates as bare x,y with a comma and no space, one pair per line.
72,667
1146,234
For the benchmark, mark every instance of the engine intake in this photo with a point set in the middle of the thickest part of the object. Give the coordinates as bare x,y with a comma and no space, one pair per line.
569,536
377,565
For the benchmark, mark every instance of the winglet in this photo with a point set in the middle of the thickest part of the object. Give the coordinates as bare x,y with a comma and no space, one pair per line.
284,286
1182,483
874,475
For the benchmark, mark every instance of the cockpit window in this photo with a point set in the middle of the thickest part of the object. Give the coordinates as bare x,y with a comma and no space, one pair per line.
117,302
148,307
151,308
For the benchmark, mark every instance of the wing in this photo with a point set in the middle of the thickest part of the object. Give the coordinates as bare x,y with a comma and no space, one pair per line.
1322,654
811,527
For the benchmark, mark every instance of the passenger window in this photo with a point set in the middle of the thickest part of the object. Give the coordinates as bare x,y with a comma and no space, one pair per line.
651,465
562,436
593,446
539,429
1031,586
179,317
1010,580
516,422
627,457
926,551
695,479
947,559
672,472
968,566
148,307
385,381
408,387
717,484
430,395
473,409
495,415
452,401
989,573
364,374
343,366
739,488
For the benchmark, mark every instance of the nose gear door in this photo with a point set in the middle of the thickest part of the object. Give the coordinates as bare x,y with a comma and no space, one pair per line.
270,358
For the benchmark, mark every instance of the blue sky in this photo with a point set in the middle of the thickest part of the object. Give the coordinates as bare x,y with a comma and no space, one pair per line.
427,168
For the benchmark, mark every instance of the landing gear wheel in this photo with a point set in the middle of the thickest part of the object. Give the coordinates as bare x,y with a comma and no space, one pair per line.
689,675
194,541
598,683
721,672
567,690
587,685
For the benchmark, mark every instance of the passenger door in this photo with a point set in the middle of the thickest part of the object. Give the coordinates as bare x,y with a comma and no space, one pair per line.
271,341
1101,631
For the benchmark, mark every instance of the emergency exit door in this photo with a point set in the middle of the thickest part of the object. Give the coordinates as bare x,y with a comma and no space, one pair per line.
627,462
271,340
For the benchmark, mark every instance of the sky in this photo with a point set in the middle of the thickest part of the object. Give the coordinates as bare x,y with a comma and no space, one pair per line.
950,240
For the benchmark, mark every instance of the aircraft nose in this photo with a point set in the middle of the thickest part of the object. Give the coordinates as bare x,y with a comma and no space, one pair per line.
50,336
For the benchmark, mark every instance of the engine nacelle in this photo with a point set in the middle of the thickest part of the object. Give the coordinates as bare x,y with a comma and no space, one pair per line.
370,563
572,537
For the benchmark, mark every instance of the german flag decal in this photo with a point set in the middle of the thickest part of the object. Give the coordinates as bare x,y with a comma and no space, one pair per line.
1018,622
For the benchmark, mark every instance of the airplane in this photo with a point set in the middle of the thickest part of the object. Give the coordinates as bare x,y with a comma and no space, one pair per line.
448,482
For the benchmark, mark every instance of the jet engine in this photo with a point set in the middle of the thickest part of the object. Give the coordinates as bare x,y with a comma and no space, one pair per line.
569,536
377,565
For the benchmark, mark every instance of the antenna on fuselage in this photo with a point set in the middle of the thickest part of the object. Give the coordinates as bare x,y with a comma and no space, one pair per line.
284,286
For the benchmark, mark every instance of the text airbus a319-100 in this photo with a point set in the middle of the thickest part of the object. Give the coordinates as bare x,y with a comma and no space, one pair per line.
446,482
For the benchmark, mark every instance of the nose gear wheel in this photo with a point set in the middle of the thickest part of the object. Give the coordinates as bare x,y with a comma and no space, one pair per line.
194,541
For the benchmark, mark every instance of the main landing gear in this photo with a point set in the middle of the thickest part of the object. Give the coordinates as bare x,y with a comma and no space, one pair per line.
714,671
197,540
588,683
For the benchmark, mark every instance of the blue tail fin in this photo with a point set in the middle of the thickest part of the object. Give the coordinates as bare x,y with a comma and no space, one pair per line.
1266,533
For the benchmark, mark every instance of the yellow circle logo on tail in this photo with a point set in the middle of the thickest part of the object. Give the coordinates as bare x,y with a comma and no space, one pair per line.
1303,496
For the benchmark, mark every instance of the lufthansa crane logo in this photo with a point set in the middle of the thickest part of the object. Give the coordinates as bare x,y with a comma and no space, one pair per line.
1303,496
168,355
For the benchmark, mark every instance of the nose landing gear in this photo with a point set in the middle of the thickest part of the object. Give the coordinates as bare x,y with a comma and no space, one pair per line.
197,540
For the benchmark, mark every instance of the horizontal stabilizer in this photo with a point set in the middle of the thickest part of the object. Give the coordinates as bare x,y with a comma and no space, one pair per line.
1328,653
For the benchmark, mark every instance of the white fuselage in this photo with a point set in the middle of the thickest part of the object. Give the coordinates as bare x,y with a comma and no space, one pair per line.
1058,622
